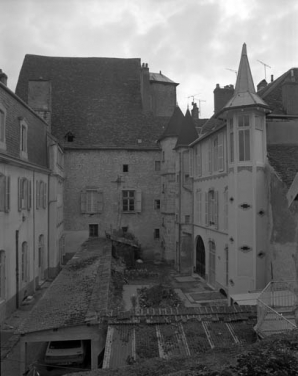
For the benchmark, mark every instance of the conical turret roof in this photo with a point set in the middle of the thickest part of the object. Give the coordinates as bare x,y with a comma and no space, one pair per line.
188,132
173,127
245,93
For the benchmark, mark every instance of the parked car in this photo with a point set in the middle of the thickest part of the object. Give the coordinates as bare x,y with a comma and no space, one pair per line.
65,353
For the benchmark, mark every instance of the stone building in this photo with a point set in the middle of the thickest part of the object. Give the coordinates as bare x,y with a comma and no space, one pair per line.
29,233
108,114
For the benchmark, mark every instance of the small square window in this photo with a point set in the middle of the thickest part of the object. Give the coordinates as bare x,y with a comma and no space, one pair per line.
125,168
93,231
156,204
124,229
156,233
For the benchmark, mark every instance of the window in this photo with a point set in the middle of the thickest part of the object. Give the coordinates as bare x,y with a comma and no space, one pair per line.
2,275
212,262
40,250
2,127
157,165
210,156
215,154
24,194
198,213
199,160
231,132
2,192
191,162
23,140
131,201
244,138
125,168
93,231
24,268
187,219
226,208
156,204
211,208
156,233
91,201
69,137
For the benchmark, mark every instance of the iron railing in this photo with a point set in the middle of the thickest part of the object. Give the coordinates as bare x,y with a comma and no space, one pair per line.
277,300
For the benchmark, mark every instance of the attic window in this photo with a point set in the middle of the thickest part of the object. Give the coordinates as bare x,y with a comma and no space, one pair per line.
69,137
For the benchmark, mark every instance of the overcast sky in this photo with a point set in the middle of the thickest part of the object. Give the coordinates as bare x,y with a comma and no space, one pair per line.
196,43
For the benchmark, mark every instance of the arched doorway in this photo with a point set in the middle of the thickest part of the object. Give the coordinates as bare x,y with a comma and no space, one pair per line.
200,257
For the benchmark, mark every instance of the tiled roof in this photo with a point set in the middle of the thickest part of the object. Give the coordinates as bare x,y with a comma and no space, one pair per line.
211,126
187,133
97,99
77,294
272,93
173,127
284,159
159,77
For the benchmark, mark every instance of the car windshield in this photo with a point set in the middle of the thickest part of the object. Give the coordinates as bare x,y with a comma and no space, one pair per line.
65,344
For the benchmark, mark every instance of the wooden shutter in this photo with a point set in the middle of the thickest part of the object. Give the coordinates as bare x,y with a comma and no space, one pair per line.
99,205
206,209
220,152
216,209
210,156
45,195
19,194
138,198
7,194
83,201
29,195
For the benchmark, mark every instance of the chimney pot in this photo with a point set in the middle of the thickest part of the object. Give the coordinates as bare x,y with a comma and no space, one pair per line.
272,79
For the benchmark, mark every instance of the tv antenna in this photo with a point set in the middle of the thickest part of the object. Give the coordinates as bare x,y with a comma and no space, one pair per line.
193,97
232,70
265,66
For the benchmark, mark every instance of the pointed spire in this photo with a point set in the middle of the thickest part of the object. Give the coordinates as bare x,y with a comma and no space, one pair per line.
244,81
174,124
188,132
244,94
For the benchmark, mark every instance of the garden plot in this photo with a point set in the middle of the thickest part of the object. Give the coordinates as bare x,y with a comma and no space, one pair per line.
244,331
220,334
121,349
146,342
196,337
172,340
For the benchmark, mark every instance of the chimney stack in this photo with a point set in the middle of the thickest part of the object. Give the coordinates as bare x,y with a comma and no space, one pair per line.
194,111
145,87
222,96
3,77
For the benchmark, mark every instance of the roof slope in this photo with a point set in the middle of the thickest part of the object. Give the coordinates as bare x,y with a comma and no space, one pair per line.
284,159
77,294
173,127
272,93
187,132
97,99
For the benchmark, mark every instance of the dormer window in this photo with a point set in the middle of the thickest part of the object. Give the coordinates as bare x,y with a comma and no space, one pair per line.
244,138
69,137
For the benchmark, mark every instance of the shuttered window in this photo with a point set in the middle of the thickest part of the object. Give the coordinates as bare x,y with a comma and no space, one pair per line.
91,201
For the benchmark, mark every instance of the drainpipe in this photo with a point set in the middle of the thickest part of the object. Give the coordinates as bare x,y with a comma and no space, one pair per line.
179,217
33,211
49,227
17,269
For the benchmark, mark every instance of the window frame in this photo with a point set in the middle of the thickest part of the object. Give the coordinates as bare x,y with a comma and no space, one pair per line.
156,233
96,228
128,201
156,204
96,204
24,262
23,139
244,132
2,275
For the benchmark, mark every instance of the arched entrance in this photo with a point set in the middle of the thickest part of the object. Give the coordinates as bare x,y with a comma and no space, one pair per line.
200,257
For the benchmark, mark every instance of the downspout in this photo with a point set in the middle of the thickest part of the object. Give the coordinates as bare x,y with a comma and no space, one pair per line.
17,269
179,217
33,210
49,227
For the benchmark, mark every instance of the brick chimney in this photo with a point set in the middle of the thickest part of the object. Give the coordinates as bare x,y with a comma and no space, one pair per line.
290,94
195,111
3,77
145,87
222,96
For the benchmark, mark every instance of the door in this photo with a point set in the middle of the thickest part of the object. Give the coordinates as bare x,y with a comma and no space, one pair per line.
200,257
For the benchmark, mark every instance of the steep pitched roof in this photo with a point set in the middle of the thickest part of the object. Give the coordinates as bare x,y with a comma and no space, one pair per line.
272,93
173,127
159,77
97,99
284,159
244,94
187,132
